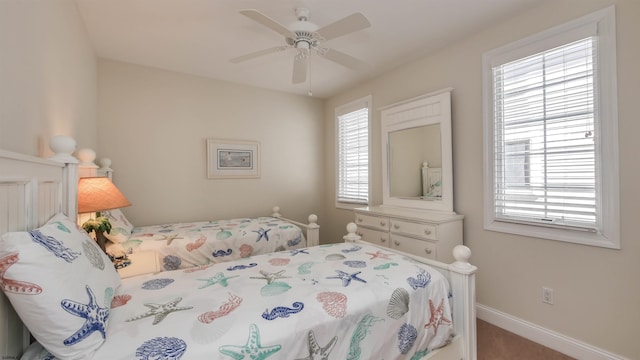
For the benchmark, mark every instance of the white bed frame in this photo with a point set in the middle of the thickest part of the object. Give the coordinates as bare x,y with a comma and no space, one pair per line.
32,190
312,229
462,278
87,168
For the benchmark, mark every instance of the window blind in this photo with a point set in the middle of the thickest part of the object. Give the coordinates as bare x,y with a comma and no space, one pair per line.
545,139
353,157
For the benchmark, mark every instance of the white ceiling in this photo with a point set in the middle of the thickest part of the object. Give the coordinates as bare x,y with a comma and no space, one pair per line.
200,36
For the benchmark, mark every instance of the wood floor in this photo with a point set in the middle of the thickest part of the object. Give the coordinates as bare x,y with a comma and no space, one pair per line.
495,343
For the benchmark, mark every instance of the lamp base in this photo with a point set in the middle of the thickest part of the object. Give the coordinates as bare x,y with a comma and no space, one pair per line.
101,240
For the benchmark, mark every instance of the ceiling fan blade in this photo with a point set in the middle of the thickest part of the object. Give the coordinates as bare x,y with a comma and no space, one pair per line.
300,65
256,54
345,26
268,22
342,58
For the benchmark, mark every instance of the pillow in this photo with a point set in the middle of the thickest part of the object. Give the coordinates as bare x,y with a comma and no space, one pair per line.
120,227
61,285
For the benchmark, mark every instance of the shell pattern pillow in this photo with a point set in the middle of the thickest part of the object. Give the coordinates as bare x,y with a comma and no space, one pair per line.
61,285
121,228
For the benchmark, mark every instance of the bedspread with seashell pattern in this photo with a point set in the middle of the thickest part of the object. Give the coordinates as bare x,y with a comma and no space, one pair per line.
338,301
185,245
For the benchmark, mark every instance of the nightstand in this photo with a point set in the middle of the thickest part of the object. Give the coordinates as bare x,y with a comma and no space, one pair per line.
143,262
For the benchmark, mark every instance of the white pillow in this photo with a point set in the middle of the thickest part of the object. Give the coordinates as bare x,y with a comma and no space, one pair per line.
56,277
120,227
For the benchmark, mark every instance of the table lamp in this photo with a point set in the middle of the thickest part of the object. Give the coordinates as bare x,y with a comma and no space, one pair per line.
97,194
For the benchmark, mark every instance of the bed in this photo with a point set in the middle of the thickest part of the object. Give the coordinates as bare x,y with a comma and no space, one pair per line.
411,308
185,245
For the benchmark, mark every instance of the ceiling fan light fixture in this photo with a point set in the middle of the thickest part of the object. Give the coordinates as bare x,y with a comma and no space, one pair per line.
303,46
306,37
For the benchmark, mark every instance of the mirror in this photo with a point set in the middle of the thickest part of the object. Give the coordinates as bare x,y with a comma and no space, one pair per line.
414,157
416,145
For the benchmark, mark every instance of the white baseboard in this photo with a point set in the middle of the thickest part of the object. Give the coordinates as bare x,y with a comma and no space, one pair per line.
546,337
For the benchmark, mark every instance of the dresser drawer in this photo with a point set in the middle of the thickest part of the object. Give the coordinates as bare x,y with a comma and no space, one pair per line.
413,246
426,231
377,222
380,238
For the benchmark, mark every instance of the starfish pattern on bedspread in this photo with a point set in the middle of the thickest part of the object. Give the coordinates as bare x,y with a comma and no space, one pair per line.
317,352
437,316
15,286
218,278
346,277
160,311
298,251
252,350
379,254
262,233
95,315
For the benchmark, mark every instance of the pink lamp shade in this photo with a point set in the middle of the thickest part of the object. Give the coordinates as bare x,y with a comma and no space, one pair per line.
99,194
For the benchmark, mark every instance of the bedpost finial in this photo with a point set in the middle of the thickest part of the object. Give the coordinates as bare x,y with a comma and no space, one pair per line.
86,157
276,212
105,163
63,147
351,232
462,253
313,218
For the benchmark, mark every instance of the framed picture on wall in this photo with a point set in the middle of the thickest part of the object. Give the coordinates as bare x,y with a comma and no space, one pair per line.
233,159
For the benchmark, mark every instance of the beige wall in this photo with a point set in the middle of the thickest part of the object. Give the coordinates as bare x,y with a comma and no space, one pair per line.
597,291
153,125
47,76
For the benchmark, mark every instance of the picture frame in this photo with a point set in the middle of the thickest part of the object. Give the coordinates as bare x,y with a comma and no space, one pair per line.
233,159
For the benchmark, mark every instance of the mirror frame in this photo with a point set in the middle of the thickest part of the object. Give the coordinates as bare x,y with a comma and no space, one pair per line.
428,109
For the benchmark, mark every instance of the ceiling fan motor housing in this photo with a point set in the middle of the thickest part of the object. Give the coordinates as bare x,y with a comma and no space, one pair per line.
304,30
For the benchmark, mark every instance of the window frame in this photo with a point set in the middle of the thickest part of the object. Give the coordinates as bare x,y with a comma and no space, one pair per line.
364,102
602,24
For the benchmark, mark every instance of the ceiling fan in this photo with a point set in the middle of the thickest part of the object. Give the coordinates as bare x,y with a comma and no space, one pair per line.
306,37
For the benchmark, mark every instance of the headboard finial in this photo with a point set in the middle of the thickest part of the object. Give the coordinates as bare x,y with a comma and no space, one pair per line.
63,147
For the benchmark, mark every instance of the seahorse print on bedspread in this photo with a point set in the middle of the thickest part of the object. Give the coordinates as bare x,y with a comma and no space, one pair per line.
283,311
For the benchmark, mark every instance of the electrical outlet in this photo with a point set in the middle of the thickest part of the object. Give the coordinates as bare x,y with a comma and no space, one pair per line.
547,295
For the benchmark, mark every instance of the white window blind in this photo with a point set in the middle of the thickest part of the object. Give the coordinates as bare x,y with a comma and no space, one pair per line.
353,156
551,134
545,138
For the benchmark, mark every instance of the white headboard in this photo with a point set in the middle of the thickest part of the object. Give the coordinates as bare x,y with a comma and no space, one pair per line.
32,190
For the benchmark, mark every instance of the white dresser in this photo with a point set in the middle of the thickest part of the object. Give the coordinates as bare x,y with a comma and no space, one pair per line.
430,234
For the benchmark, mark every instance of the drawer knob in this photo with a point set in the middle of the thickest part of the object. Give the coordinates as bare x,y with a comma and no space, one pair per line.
359,233
383,240
427,231
382,223
359,219
428,251
396,226
397,243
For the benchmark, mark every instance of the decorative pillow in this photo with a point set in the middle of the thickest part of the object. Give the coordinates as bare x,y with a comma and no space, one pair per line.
120,227
61,285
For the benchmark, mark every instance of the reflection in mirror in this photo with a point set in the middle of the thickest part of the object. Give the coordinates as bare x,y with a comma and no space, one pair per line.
414,162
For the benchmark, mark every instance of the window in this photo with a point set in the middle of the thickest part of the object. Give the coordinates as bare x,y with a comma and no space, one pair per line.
551,134
352,127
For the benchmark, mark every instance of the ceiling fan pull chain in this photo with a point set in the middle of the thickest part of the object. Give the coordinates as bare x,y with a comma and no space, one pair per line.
309,73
